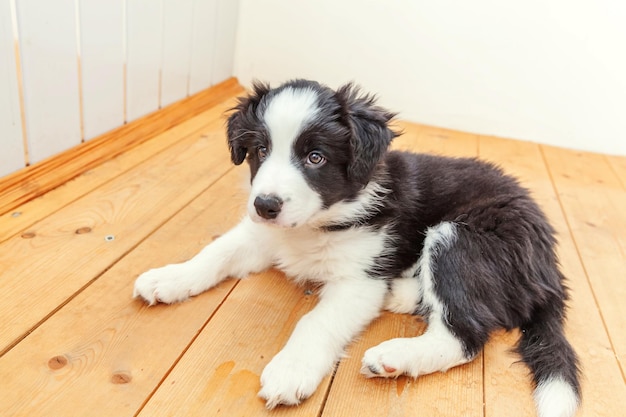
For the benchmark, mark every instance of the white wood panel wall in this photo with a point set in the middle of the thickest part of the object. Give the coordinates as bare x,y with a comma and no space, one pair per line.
88,66
144,41
102,64
227,11
203,44
12,154
177,26
48,47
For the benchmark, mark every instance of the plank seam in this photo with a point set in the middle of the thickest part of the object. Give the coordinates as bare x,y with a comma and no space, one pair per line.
20,83
484,361
582,261
328,389
63,303
176,361
219,306
79,67
614,171
97,276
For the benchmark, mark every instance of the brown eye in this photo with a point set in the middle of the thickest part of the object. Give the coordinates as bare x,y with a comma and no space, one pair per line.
261,152
315,158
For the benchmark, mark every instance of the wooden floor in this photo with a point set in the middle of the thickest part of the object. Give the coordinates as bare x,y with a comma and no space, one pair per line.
73,342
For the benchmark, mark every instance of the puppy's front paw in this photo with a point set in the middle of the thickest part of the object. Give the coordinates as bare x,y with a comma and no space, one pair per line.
288,379
169,284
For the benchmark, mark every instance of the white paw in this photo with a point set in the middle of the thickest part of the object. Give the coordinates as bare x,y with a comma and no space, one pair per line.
387,360
436,350
169,284
404,296
400,304
288,379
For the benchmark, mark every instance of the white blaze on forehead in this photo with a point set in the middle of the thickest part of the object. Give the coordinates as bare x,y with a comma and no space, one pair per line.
287,114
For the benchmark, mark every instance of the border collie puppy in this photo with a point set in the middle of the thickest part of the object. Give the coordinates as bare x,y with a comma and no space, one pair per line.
453,240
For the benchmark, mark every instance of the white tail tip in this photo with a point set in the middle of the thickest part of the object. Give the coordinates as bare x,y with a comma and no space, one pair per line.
556,398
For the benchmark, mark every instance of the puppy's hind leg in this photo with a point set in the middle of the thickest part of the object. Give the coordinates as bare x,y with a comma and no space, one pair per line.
438,349
237,253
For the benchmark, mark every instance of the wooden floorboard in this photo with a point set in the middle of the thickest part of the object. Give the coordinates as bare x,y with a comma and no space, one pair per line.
593,198
103,336
59,255
73,340
585,327
16,221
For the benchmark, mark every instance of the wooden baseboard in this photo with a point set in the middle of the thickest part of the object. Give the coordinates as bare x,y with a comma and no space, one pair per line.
37,179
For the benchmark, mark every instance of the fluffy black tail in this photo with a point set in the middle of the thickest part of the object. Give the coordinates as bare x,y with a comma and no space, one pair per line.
553,363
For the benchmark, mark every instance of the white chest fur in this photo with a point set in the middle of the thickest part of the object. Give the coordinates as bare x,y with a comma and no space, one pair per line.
309,254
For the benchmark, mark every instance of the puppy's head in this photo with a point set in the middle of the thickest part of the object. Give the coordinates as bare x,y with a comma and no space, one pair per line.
308,148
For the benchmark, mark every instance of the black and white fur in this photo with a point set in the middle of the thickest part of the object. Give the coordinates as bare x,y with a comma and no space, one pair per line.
453,240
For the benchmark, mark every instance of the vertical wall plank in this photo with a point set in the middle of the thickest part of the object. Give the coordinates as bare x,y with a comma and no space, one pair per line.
226,31
177,28
102,64
144,29
202,45
11,143
48,47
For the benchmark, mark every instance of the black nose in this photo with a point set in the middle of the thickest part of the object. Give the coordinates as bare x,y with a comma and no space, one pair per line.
268,206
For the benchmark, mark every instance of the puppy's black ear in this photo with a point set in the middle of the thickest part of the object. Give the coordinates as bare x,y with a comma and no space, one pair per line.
370,134
243,120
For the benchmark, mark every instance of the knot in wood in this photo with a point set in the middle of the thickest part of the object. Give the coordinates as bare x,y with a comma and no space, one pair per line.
28,235
57,362
121,378
83,230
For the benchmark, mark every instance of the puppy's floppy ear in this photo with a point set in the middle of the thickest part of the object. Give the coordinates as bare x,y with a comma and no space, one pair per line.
243,120
370,134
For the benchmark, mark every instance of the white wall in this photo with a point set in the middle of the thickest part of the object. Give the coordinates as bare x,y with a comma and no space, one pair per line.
550,71
12,153
71,70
